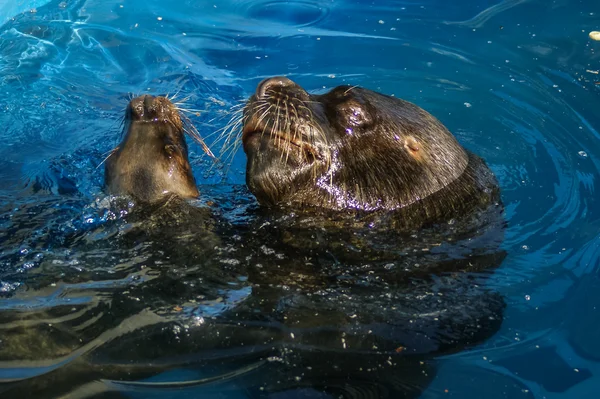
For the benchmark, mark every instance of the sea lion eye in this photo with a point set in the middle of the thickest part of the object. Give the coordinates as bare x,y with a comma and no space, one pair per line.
354,114
170,149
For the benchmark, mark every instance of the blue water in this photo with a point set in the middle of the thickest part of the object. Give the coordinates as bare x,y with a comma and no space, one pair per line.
517,82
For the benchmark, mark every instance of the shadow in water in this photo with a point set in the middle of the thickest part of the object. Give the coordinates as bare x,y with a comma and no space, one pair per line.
177,298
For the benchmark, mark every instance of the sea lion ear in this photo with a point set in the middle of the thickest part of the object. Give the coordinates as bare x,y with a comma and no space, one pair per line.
415,149
412,144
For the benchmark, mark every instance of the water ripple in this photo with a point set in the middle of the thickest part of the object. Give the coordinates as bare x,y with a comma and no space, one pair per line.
94,287
291,13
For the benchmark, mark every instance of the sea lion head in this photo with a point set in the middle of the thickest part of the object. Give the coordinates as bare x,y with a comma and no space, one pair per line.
350,148
151,161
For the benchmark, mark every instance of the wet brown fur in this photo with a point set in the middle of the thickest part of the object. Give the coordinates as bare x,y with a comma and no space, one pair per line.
151,162
356,149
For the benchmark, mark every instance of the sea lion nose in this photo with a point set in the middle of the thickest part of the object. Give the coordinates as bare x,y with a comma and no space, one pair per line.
277,82
148,102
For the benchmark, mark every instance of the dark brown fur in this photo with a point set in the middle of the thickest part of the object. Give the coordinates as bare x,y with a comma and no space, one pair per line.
355,149
152,160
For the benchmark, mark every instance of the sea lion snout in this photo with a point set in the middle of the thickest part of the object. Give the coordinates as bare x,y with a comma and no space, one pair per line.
278,83
150,108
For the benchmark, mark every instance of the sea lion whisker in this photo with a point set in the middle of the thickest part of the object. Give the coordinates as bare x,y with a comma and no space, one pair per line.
321,134
110,153
119,125
261,118
209,125
190,129
228,131
235,127
195,135
282,130
350,88
227,150
264,115
234,115
241,104
288,129
173,98
192,111
275,126
311,116
295,134
225,130
231,154
288,133
218,117
303,106
231,139
259,107
181,102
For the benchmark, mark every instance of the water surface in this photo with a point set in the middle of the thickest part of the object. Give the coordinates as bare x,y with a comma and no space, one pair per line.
93,300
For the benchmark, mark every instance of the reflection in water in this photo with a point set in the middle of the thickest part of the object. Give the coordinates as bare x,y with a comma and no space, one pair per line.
235,302
137,290
213,297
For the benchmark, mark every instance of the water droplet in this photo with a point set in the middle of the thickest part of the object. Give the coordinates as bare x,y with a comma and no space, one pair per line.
527,297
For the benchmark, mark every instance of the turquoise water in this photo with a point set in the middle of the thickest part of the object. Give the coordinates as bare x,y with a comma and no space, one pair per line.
89,305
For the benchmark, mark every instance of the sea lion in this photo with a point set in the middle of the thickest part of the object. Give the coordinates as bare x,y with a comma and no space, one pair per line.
151,162
356,149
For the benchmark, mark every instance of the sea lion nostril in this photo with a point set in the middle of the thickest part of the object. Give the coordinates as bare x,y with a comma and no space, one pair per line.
272,83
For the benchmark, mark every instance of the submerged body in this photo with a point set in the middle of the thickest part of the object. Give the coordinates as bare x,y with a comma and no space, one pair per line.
359,150
151,162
